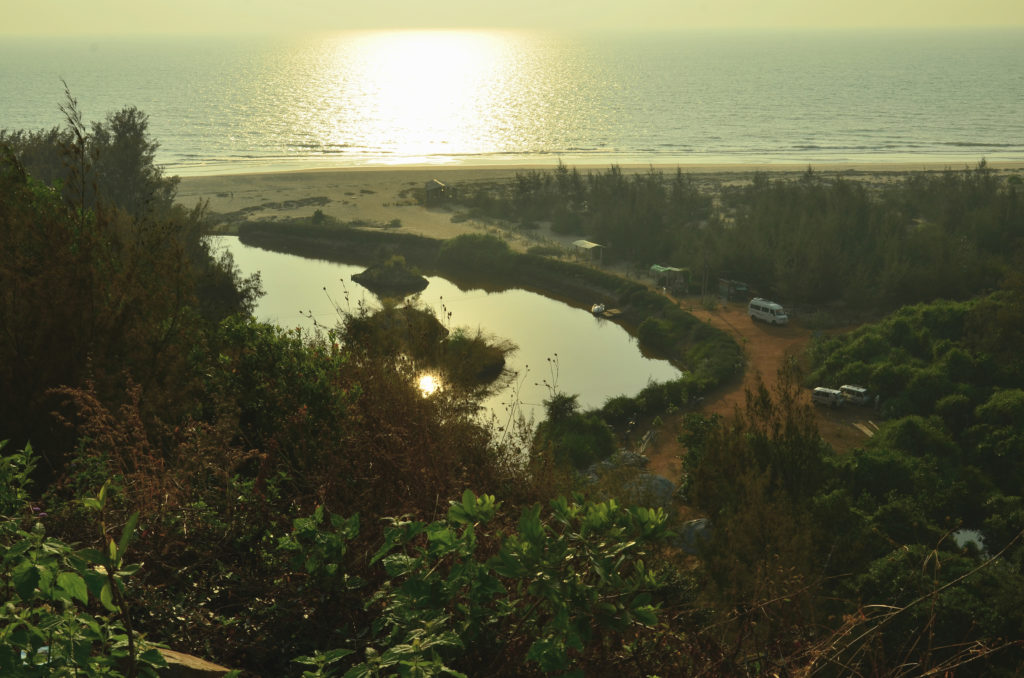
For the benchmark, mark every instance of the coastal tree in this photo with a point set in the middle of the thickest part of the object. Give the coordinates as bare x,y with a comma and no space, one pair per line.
125,165
91,292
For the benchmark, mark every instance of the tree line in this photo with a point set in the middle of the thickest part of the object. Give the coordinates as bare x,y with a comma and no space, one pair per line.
816,240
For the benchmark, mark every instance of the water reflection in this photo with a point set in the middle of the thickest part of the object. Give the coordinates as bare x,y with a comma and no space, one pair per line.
429,384
415,94
560,347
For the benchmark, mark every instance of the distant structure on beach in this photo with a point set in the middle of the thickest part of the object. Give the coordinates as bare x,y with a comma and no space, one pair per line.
591,249
438,192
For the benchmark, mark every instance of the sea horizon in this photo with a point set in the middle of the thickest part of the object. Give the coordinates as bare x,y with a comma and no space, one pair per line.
473,99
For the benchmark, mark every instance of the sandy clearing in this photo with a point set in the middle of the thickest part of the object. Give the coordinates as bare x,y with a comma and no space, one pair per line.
766,348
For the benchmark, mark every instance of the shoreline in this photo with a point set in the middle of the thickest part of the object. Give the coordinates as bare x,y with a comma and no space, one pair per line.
383,195
877,166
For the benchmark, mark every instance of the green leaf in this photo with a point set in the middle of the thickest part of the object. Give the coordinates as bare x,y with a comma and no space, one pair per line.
95,581
18,549
93,556
154,657
512,560
469,501
126,535
440,535
74,585
107,597
363,670
332,656
530,525
129,570
549,654
646,615
25,578
91,503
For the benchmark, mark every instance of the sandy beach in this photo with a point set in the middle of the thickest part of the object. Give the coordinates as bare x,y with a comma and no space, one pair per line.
378,196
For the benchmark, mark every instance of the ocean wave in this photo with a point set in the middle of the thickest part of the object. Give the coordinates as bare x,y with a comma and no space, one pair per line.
978,144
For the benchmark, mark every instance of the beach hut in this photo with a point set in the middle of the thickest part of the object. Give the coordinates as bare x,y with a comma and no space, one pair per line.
672,278
437,192
590,249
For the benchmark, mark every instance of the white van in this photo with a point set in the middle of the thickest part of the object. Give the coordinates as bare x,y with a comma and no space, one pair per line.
768,311
827,396
858,395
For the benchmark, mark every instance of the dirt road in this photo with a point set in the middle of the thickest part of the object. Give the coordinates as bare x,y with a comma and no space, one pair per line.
766,349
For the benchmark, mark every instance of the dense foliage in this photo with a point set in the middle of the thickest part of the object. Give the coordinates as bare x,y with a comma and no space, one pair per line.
817,240
300,508
865,545
93,288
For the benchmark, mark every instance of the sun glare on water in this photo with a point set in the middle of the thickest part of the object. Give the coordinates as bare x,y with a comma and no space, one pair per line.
418,93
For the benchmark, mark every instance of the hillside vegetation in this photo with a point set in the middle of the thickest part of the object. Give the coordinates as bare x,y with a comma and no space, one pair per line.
292,505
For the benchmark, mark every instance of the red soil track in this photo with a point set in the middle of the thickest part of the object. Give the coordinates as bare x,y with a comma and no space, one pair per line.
766,349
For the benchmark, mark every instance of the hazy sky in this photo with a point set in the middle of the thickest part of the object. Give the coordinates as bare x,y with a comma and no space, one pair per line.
97,17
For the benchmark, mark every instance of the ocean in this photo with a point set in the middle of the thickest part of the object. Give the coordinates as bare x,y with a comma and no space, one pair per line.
238,104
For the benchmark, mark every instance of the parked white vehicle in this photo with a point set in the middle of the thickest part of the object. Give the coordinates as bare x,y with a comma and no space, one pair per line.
827,396
858,395
767,311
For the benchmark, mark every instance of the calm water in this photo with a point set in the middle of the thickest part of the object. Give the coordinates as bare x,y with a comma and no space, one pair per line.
238,104
595,358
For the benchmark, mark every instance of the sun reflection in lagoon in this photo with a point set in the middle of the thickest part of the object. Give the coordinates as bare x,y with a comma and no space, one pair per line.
429,384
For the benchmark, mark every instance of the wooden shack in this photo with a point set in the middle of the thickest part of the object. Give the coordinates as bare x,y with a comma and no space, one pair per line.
591,250
674,279
437,192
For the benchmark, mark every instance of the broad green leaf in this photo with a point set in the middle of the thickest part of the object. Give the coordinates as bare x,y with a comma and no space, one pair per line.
18,549
25,578
332,656
646,614
154,657
93,556
95,580
74,585
440,535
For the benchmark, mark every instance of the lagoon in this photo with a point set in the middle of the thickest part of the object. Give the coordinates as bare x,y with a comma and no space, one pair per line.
559,346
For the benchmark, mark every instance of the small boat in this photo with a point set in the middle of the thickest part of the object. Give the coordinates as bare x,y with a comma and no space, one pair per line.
597,309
